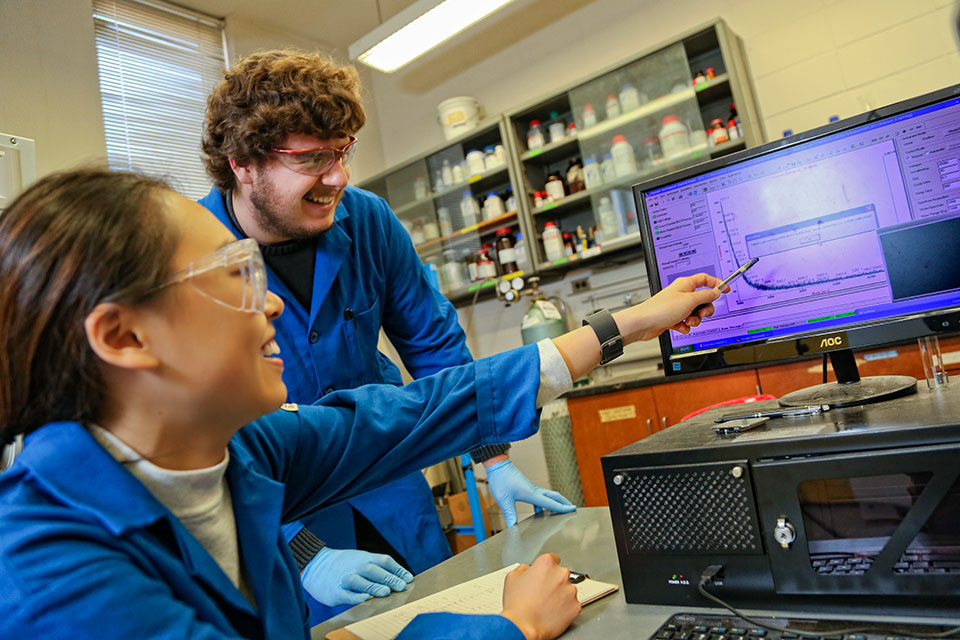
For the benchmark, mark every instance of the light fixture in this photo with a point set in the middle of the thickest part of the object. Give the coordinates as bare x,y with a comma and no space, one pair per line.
417,29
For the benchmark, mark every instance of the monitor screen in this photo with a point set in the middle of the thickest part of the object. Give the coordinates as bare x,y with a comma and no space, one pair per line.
856,225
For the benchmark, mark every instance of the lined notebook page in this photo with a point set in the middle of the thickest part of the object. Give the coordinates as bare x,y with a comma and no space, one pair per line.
483,595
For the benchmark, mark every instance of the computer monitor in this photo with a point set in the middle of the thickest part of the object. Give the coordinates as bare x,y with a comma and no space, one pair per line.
18,167
857,228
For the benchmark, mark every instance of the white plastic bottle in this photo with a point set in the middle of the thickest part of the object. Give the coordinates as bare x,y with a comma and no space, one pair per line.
607,169
589,116
534,136
468,209
612,106
592,175
629,98
608,219
492,206
446,173
624,162
446,223
552,242
674,140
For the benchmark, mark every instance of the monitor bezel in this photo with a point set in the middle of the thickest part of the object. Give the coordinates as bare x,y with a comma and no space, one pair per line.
802,344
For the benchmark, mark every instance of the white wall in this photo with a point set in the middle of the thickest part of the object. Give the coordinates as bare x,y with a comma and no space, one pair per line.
809,60
48,81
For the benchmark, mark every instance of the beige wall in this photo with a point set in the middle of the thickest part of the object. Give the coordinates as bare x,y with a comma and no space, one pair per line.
48,81
809,60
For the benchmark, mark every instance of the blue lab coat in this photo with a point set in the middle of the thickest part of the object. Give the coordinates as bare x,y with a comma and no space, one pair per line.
366,250
87,552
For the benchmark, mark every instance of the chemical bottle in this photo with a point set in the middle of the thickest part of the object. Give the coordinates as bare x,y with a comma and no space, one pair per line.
543,320
673,137
592,177
575,176
446,173
736,118
506,254
431,231
651,150
520,250
572,129
537,200
490,158
475,162
500,153
486,267
468,209
446,223
454,270
608,219
554,187
458,173
624,162
589,116
567,245
416,234
552,242
557,127
511,203
492,206
607,170
629,98
612,106
718,133
534,136
581,241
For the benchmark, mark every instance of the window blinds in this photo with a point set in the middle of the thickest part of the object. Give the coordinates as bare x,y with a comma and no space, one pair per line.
157,65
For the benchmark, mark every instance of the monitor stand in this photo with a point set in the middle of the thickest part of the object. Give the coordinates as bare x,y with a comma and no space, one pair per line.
850,389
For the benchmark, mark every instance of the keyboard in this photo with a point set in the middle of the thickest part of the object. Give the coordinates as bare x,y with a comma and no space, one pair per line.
909,563
698,626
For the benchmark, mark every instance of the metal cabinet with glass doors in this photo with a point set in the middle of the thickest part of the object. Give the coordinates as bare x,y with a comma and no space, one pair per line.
582,148
456,202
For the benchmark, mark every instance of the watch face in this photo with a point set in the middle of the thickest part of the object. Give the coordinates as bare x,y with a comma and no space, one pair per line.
504,286
517,283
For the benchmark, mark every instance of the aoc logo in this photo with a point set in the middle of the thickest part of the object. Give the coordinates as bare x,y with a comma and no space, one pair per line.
835,341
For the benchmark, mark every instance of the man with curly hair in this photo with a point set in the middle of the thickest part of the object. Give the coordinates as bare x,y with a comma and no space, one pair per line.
278,139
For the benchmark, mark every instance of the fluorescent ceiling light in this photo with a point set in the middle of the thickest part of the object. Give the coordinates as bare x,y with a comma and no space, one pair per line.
417,29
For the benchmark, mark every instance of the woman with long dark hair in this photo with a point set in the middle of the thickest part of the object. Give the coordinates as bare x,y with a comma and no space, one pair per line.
138,357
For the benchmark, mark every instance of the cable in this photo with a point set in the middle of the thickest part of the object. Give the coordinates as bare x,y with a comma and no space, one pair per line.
713,570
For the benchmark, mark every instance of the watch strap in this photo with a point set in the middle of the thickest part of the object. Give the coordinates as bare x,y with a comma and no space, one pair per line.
304,547
611,342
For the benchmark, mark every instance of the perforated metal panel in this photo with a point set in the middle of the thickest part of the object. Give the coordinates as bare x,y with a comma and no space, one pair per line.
702,509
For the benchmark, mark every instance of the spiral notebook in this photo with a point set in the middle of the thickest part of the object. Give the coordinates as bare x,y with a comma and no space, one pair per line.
483,595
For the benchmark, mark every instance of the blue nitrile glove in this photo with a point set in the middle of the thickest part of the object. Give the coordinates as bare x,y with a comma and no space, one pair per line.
349,576
508,484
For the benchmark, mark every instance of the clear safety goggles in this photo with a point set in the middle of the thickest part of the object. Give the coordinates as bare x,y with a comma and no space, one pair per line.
233,276
317,161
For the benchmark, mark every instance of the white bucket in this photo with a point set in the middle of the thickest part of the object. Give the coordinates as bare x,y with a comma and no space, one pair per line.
458,115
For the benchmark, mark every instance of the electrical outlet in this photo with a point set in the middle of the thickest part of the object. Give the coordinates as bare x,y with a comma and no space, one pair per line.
581,285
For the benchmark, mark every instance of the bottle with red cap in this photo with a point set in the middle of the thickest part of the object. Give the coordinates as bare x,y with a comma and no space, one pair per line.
733,123
718,132
624,161
534,136
506,254
486,267
552,241
674,140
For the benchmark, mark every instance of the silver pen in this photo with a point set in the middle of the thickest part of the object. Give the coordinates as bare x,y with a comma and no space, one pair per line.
809,410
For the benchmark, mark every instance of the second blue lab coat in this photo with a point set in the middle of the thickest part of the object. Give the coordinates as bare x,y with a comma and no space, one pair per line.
87,552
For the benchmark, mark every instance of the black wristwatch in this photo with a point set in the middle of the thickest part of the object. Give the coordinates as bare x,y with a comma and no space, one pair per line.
611,342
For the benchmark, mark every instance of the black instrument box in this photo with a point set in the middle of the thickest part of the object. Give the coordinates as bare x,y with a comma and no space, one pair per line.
852,510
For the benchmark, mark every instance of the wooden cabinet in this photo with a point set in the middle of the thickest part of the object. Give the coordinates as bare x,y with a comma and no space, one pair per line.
901,360
604,423
676,399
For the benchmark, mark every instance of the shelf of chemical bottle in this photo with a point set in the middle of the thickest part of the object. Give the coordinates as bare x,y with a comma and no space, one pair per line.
554,150
457,188
592,254
488,286
434,246
707,90
626,181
